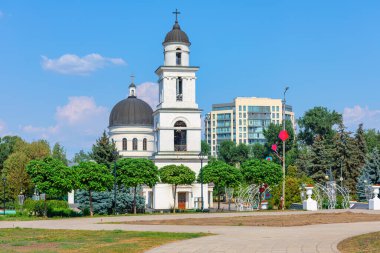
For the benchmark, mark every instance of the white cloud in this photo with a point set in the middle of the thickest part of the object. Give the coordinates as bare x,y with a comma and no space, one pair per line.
78,124
149,93
79,110
352,117
71,64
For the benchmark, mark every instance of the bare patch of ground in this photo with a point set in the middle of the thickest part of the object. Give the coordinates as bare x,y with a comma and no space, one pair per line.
286,220
368,243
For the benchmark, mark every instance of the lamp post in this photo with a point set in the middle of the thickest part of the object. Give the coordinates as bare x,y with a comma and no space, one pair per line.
283,150
201,175
116,154
4,184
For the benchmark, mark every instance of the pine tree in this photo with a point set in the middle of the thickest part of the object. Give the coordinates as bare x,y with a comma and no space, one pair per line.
361,144
347,157
321,159
370,173
104,151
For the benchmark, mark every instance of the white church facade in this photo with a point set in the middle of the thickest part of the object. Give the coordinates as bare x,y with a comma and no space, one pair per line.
169,134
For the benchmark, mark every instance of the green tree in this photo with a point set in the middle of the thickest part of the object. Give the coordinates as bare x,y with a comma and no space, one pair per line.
104,151
59,153
261,173
347,157
232,154
258,151
370,173
226,152
37,149
176,175
93,177
51,176
256,171
135,172
8,145
222,175
318,121
18,179
320,159
372,138
361,144
81,156
271,135
205,148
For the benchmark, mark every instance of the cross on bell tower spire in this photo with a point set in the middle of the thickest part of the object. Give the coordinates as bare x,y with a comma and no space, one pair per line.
176,12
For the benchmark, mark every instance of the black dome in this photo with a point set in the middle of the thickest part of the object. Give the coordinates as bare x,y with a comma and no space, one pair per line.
131,112
177,35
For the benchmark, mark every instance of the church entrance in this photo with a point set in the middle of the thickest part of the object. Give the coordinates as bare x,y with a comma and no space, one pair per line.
182,200
180,136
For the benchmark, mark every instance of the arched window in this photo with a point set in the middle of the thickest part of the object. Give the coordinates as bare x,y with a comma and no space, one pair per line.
180,142
178,56
179,89
134,144
144,144
125,147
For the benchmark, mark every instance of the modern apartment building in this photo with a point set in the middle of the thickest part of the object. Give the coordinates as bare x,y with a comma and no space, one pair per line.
243,120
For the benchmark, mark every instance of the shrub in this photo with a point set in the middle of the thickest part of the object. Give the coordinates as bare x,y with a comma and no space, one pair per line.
37,207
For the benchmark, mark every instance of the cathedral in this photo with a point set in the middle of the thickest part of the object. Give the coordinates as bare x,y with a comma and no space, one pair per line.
169,133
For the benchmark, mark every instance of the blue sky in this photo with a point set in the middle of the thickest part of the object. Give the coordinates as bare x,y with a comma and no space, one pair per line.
64,64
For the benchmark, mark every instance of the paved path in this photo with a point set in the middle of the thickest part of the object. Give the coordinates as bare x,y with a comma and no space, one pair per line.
231,239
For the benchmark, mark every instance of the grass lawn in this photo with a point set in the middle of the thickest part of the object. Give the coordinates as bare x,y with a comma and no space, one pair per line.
367,243
44,240
286,220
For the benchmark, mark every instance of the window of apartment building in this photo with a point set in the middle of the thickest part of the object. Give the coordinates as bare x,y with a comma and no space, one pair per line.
239,107
277,108
245,135
245,115
240,135
273,108
244,122
273,115
277,115
240,129
245,129
278,122
239,114
240,122
213,116
244,108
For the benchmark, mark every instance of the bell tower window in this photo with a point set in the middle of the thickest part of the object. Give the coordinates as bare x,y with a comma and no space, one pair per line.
180,142
179,89
178,57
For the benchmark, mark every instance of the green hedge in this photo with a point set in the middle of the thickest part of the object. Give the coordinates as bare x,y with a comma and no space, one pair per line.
53,207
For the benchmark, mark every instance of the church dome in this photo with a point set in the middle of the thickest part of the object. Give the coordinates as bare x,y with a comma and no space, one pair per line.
176,35
131,112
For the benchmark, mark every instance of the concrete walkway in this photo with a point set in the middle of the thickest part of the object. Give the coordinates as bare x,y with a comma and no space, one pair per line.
239,239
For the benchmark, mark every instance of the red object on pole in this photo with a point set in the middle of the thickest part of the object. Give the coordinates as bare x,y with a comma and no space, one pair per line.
274,147
283,135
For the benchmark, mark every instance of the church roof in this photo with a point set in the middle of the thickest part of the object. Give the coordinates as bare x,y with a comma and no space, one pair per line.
131,112
176,35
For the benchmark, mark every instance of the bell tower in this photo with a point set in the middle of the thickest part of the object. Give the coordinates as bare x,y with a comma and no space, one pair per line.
177,119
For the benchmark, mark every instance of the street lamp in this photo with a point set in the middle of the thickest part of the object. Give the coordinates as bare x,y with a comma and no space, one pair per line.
4,184
116,154
283,150
201,157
